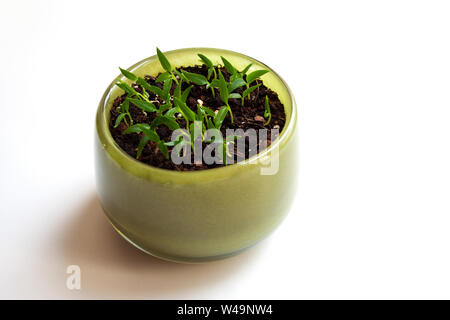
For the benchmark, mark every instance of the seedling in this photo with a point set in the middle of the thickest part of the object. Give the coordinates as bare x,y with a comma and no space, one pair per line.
169,107
225,89
198,79
250,78
148,134
210,65
267,113
247,92
166,65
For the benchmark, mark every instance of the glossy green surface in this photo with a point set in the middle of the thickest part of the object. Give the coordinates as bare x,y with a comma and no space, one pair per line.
201,215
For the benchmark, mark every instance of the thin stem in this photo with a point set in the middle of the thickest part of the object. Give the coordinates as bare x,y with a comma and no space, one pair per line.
174,78
231,113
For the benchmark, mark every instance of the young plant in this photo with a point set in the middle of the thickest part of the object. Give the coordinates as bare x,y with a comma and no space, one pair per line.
230,68
148,134
198,79
245,70
247,92
267,113
224,89
124,108
255,75
210,65
166,65
167,114
141,100
185,111
250,78
124,112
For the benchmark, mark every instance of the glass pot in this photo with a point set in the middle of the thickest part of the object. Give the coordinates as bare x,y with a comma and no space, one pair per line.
196,216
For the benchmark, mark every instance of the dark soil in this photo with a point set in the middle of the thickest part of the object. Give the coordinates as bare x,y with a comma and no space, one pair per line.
251,115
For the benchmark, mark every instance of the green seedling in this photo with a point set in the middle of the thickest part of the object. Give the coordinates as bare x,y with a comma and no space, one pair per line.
267,113
185,111
255,75
245,70
124,112
247,92
166,66
223,86
250,78
230,68
169,106
210,65
123,109
198,79
148,134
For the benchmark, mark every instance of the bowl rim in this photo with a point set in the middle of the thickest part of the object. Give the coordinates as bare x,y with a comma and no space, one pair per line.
146,171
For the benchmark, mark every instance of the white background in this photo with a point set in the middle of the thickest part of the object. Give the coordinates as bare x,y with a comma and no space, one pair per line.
371,79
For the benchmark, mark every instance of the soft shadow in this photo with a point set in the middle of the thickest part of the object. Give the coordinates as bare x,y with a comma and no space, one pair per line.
111,267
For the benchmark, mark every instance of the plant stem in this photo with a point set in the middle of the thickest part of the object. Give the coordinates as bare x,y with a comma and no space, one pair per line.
231,113
174,78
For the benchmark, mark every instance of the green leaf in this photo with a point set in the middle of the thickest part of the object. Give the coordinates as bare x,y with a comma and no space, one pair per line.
164,107
208,111
166,90
177,91
210,71
174,143
163,60
171,112
143,105
267,112
142,143
148,87
239,82
228,66
137,128
196,78
185,94
248,91
223,88
125,87
234,96
149,135
128,74
166,120
206,61
185,110
164,76
246,69
215,83
255,75
209,124
218,120
141,81
200,114
156,90
125,106
119,119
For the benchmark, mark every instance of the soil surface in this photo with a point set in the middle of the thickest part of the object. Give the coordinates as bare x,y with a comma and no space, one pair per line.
251,115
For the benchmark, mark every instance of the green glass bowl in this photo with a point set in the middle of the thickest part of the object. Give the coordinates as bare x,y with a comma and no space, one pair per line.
196,216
